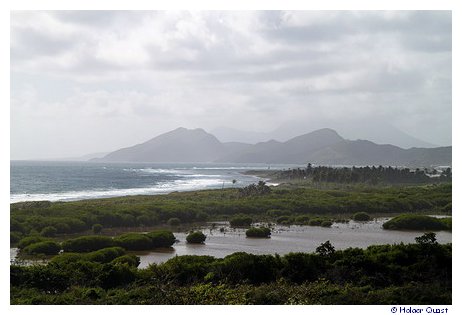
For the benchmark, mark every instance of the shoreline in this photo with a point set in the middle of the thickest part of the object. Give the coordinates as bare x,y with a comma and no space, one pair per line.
109,193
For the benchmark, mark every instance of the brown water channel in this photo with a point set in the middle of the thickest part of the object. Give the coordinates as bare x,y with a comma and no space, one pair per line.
284,239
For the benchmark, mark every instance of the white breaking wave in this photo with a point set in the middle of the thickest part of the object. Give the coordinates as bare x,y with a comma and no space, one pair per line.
161,188
153,170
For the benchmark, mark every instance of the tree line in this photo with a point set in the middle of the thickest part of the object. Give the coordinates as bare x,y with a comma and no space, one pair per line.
367,174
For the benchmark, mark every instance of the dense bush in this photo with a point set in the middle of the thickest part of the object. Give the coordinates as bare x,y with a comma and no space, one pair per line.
26,241
174,221
326,223
315,222
381,274
130,260
161,238
104,255
134,241
417,222
97,228
240,221
15,237
87,243
79,216
258,232
361,216
302,219
46,248
196,237
49,231
285,219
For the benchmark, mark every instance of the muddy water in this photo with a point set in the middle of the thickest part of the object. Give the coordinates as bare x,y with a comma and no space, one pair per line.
286,239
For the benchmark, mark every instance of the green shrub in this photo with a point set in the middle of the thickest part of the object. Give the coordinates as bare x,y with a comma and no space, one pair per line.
104,255
277,212
196,237
326,223
161,238
87,243
97,228
145,220
361,216
240,221
302,219
131,260
285,219
62,228
416,222
201,216
67,258
46,247
315,222
134,241
49,231
15,237
174,221
26,241
258,232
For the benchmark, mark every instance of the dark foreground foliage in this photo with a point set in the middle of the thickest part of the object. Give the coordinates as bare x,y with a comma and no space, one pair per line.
381,274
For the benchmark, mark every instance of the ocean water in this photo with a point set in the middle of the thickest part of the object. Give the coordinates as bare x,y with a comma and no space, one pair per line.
67,181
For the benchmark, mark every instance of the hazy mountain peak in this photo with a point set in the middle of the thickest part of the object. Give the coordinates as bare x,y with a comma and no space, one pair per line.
322,146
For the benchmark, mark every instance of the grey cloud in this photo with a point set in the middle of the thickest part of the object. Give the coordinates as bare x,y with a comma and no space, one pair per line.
216,68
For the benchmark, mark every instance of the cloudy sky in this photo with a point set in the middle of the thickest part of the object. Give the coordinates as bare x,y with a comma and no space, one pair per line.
95,81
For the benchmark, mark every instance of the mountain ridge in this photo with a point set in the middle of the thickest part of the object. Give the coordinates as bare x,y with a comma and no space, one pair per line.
323,146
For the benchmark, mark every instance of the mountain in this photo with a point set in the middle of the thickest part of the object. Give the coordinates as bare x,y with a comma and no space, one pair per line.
226,134
324,146
377,131
293,151
179,145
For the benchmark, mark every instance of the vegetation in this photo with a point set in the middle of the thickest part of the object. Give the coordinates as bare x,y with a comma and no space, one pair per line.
258,232
161,238
134,241
196,237
361,216
45,248
240,221
49,231
368,175
96,269
381,274
417,222
254,190
88,243
283,204
97,228
174,221
31,240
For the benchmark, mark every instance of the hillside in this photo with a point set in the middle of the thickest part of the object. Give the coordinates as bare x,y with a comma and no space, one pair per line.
323,146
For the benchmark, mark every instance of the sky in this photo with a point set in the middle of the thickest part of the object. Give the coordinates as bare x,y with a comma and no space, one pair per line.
95,81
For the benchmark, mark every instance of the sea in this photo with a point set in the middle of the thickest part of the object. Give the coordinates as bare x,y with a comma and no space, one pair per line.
70,181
